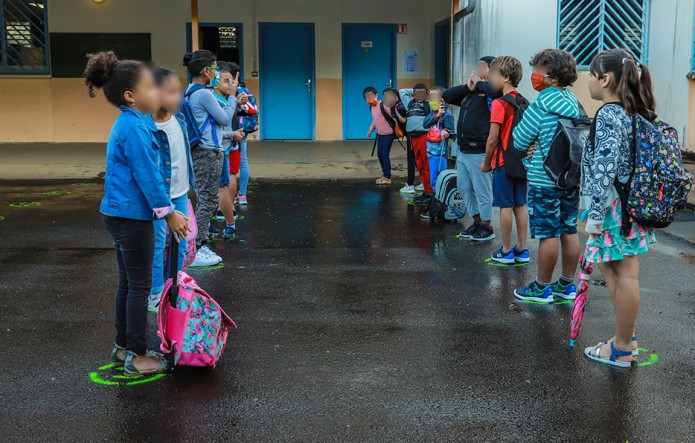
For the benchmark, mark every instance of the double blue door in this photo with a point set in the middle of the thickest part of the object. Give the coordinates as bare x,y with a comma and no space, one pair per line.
369,59
287,81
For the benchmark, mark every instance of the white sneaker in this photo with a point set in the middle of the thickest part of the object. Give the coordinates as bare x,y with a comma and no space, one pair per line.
420,187
210,253
153,302
408,189
203,258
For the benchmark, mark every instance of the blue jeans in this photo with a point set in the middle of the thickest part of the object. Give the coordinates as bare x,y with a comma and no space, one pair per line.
437,165
474,185
384,143
134,242
160,232
243,168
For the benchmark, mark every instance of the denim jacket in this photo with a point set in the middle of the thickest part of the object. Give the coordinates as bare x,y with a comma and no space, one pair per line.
165,156
136,187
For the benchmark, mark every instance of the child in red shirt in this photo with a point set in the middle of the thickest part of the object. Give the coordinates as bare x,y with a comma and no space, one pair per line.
509,193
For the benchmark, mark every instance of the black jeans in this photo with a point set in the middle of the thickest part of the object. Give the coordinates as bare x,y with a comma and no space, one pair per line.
134,241
411,162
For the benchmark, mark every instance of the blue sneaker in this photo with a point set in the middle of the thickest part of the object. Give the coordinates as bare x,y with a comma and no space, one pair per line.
500,256
566,291
521,255
533,292
213,232
230,232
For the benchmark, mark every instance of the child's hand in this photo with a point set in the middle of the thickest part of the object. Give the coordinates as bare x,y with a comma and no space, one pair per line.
369,134
531,150
243,98
238,135
441,111
444,134
234,84
485,167
178,224
471,83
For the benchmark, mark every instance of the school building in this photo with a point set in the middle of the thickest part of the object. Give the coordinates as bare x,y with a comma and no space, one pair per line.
307,61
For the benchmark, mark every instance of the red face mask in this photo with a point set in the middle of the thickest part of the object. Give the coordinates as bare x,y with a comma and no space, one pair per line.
373,102
538,81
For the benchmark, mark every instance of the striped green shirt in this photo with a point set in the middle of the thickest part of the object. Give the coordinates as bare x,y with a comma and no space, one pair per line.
539,125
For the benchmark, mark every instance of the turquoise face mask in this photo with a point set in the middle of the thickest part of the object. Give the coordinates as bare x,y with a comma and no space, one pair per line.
434,105
215,81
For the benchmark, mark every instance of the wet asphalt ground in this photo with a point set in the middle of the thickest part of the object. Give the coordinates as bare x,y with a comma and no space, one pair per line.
357,320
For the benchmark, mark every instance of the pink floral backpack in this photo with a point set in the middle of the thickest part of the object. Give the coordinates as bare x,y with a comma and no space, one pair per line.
192,325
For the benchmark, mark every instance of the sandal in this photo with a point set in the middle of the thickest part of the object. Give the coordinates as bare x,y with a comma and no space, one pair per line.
594,353
635,351
117,361
383,181
129,368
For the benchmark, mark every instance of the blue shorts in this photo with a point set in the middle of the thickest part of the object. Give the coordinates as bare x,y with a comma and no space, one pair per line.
552,211
507,192
225,177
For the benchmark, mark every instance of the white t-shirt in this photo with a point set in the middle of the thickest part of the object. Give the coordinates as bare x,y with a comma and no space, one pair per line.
179,157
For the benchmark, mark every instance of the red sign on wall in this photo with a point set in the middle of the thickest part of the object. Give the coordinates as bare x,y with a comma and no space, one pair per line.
402,28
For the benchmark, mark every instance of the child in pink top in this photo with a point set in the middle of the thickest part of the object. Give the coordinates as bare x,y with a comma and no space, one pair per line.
384,132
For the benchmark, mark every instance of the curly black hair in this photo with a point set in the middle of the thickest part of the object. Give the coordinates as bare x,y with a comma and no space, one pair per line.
560,65
114,76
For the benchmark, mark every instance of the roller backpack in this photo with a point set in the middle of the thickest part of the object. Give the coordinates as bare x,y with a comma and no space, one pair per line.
659,184
447,203
513,158
564,159
193,327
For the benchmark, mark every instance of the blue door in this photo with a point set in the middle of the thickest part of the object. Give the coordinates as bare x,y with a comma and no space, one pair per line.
369,59
287,80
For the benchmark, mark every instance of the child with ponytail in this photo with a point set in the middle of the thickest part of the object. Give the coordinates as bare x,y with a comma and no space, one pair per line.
624,86
135,194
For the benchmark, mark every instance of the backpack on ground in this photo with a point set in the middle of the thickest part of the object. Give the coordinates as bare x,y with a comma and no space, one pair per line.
447,203
564,159
513,158
192,325
195,134
659,184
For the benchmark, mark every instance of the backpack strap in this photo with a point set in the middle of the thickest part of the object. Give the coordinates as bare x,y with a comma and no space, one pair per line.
389,119
624,190
208,121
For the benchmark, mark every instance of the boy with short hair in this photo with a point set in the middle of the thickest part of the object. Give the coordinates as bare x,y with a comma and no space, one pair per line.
472,131
230,143
508,193
552,211
417,109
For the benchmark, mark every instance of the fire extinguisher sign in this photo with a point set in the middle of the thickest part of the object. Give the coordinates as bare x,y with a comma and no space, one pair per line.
402,28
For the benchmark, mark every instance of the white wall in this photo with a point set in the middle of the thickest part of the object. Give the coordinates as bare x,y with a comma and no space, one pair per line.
670,50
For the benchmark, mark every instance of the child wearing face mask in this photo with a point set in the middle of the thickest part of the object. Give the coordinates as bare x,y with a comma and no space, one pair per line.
136,192
552,211
208,156
440,123
384,133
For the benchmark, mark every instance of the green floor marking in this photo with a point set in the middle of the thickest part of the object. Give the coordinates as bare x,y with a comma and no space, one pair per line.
205,268
57,193
653,357
120,380
24,204
240,217
2,217
242,267
84,184
491,262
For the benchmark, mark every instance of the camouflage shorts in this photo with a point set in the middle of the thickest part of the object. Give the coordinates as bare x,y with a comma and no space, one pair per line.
552,212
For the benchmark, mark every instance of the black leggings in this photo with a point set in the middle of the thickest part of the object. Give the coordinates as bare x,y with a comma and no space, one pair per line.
411,163
134,241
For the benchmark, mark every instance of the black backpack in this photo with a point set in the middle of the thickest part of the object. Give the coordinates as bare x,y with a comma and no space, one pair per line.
513,158
563,163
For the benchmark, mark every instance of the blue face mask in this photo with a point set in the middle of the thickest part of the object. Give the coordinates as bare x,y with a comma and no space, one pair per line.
215,81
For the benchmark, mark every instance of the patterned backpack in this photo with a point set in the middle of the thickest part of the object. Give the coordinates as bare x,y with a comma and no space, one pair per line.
659,185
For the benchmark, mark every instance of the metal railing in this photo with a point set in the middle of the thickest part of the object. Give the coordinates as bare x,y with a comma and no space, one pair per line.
24,37
587,27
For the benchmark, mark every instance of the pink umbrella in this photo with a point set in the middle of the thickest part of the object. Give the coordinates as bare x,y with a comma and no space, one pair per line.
585,270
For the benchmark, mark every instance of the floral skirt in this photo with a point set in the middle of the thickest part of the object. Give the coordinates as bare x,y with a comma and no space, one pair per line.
611,245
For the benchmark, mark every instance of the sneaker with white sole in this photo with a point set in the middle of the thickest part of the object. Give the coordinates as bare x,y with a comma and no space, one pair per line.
153,302
420,188
484,233
408,189
205,257
502,256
